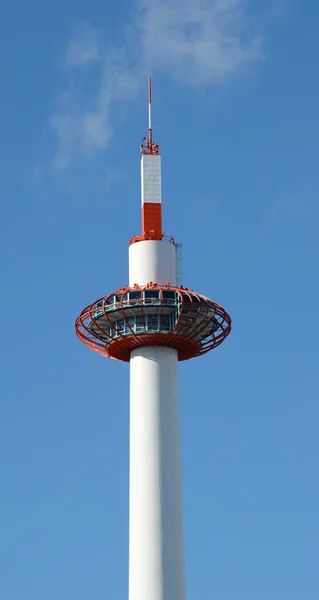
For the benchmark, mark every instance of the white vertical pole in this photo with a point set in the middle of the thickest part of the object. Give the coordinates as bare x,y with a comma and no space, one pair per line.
156,556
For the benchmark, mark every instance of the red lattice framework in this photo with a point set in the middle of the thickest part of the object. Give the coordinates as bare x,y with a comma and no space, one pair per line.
201,325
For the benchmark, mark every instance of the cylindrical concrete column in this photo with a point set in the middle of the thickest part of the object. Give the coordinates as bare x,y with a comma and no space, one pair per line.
156,561
152,260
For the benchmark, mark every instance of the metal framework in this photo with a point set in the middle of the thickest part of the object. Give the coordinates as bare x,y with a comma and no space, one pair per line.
150,235
153,315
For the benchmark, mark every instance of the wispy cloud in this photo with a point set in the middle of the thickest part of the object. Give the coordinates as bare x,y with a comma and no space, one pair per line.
197,42
84,47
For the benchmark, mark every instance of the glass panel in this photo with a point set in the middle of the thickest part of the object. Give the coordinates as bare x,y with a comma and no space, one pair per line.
139,324
135,295
98,305
166,323
112,310
151,294
97,314
186,298
130,322
169,295
119,325
152,322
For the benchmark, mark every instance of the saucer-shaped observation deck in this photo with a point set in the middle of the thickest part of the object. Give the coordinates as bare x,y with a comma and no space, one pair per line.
153,315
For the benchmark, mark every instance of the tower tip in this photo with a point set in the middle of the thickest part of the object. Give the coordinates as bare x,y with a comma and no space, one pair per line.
150,133
148,146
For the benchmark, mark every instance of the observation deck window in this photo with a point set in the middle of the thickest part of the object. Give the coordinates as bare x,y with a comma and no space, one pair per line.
169,295
98,305
138,324
186,297
152,323
135,295
129,324
166,325
119,325
151,294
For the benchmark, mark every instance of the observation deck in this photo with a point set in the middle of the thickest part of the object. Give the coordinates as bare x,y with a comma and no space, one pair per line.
153,315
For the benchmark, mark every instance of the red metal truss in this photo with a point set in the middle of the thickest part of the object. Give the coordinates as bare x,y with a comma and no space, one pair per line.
196,314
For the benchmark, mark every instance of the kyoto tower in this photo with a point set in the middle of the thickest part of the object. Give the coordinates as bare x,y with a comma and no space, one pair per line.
152,323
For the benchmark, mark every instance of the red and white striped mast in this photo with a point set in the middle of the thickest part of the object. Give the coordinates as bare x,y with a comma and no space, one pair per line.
151,180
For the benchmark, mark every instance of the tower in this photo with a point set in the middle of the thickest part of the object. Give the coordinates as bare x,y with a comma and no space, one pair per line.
152,323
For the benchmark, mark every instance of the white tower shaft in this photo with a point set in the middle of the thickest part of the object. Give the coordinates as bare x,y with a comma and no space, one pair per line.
156,555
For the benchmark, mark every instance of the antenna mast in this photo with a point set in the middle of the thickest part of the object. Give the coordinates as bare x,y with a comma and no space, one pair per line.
148,146
150,133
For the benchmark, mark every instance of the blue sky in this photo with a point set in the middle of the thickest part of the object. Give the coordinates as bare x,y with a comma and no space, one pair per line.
235,93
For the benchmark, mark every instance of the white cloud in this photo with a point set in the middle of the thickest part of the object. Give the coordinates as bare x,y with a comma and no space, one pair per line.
197,42
85,46
83,134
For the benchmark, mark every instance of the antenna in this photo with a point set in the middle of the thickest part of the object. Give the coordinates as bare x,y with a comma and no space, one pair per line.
149,81
148,146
